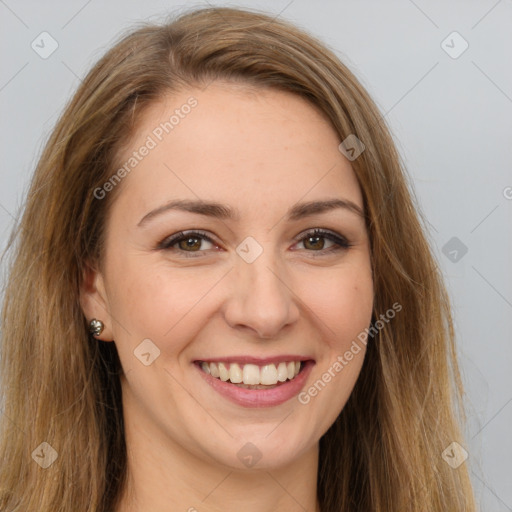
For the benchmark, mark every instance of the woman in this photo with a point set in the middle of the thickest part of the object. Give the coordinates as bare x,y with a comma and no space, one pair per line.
219,284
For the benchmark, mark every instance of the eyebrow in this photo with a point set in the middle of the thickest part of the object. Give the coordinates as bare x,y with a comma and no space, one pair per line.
221,211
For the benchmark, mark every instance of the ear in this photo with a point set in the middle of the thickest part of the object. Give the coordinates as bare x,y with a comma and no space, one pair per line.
94,301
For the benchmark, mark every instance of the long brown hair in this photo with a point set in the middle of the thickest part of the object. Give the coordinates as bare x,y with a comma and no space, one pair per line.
62,387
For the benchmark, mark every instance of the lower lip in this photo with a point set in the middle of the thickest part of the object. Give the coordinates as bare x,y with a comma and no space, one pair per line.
259,397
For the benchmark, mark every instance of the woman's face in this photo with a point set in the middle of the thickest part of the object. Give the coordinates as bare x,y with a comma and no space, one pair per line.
250,293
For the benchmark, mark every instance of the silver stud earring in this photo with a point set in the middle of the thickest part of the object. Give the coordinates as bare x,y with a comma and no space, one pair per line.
96,327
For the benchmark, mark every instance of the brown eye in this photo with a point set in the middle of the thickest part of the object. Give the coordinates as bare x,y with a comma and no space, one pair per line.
314,241
193,243
187,242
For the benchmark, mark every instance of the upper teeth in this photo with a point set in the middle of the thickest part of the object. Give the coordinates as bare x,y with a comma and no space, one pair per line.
252,374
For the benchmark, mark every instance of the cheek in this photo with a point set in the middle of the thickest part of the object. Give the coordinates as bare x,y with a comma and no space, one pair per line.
343,301
156,302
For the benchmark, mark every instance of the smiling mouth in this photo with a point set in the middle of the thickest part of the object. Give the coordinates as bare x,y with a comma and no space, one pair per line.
253,376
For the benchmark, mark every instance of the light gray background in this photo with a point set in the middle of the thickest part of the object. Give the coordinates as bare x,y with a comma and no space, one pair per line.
451,118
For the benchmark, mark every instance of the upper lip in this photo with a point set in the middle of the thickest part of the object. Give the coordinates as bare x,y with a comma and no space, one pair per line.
260,361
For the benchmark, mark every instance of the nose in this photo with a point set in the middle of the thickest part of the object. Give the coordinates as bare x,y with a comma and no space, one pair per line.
261,299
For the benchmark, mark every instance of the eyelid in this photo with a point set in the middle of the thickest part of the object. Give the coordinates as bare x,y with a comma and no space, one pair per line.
321,232
168,241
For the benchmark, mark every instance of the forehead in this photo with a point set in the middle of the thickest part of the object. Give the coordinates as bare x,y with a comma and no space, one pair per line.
247,147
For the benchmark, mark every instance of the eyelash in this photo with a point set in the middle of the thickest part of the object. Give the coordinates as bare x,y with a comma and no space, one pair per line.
340,242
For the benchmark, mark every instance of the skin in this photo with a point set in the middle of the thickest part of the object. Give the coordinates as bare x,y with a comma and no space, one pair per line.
260,151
